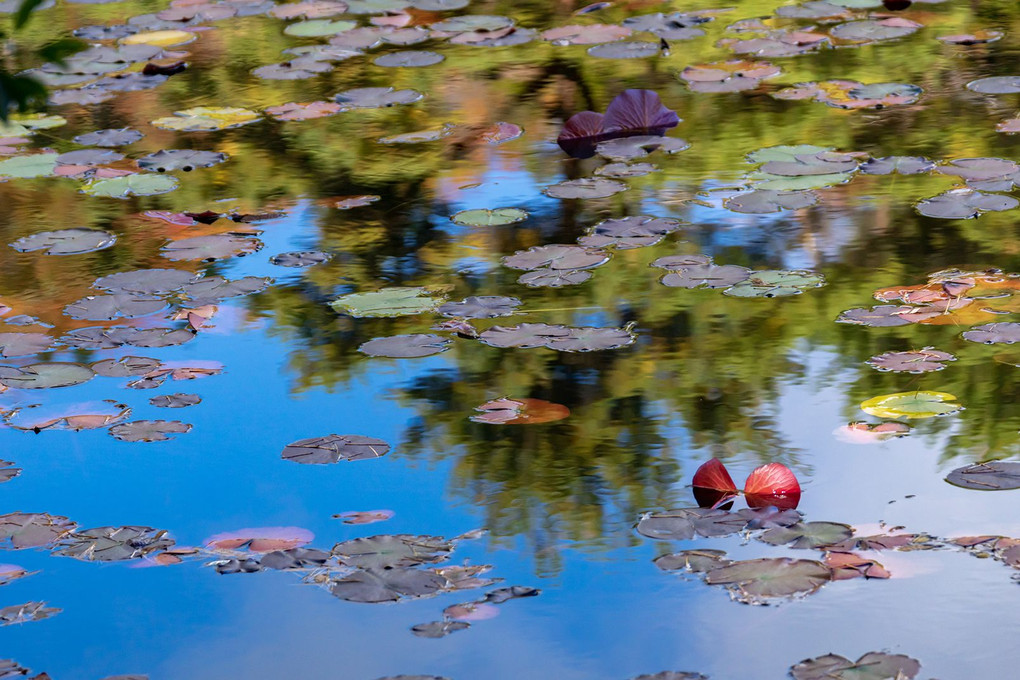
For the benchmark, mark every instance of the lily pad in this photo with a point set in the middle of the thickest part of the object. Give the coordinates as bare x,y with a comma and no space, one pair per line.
392,551
32,530
507,411
481,307
147,281
438,629
706,276
775,283
300,258
557,256
639,146
145,184
686,523
304,110
902,165
525,336
409,59
1006,333
917,361
261,539
919,404
45,376
334,448
113,544
75,417
590,339
757,581
390,585
24,344
546,277
209,248
113,137
626,49
586,34
585,188
410,346
376,97
118,305
870,30
808,534
32,165
316,28
762,201
878,317
996,85
489,218
206,119
30,611
180,159
396,301
964,204
871,666
175,400
149,430
997,475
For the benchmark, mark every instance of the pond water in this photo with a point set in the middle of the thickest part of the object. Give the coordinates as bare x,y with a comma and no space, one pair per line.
693,363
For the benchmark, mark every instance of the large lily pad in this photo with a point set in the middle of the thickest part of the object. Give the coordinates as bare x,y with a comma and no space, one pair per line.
775,283
213,247
919,404
66,241
994,476
45,376
706,276
389,551
481,307
205,118
1006,332
917,361
149,430
23,344
389,585
964,204
396,301
557,256
686,523
118,305
757,581
334,448
526,335
409,346
145,184
32,530
113,544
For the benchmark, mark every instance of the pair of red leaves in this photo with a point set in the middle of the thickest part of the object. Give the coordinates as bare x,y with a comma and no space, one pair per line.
768,485
632,112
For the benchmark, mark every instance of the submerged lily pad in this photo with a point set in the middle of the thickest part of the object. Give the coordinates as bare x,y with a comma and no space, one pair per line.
410,346
919,404
994,476
756,581
30,611
334,448
489,218
149,430
871,666
396,301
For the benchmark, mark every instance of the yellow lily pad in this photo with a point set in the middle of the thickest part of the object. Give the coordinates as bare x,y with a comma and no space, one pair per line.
206,118
919,404
160,38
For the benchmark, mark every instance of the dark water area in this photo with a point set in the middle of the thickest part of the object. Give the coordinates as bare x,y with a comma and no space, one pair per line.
747,373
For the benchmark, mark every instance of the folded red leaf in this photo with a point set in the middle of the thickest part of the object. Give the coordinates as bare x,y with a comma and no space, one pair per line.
713,475
771,479
780,501
713,498
582,125
639,111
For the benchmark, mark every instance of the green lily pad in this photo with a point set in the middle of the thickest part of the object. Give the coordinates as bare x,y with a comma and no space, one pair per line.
772,283
919,404
397,301
756,581
489,218
144,184
808,534
37,121
33,165
318,27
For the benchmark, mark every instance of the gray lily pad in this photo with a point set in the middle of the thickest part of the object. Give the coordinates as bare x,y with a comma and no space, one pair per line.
870,30
333,448
918,361
706,276
589,339
980,169
626,170
212,289
389,551
775,283
673,26
1005,333
118,305
376,97
694,561
997,475
762,201
672,675
149,430
176,400
438,629
23,344
525,336
32,530
964,204
625,49
66,241
808,534
439,5
871,666
89,157
116,336
473,22
489,218
756,581
409,346
553,278
995,85
377,585
45,376
395,301
147,281
30,611
300,258
880,316
109,138
294,558
113,544
585,188
686,523
902,165
180,159
675,262
557,256
629,148
208,248
481,307
295,69
97,33
409,59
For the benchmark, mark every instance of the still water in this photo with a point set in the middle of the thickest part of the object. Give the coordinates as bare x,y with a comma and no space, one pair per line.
550,506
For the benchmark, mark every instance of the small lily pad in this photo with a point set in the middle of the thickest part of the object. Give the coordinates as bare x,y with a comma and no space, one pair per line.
757,581
917,361
66,241
489,218
175,400
481,307
626,49
115,306
300,258
585,188
376,97
964,204
145,184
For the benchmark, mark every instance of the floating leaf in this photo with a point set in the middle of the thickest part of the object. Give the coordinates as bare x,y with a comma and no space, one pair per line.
902,165
706,276
589,339
377,585
147,281
1005,333
75,417
727,76
919,404
205,118
376,97
304,110
870,30
45,376
917,361
639,146
775,283
867,433
410,346
480,307
396,301
520,412
24,344
585,188
871,666
180,159
300,258
808,534
694,561
119,305
318,27
588,34
762,201
686,523
176,400
149,430
756,581
113,544
409,59
145,184
30,611
996,85
438,629
880,316
364,516
964,204
261,540
209,248
33,165
390,551
114,137
994,476
556,256
632,112
33,530
334,448
489,218
525,336
628,49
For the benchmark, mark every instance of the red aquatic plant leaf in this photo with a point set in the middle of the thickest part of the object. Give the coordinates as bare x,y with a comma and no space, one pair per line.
771,479
584,125
713,475
638,110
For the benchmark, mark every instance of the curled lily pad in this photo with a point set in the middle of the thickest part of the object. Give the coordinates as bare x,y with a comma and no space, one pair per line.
334,448
396,301
145,184
686,523
1006,333
996,85
376,97
706,276
546,277
300,258
808,534
994,476
113,137
756,581
919,404
24,344
761,201
481,307
871,666
585,188
488,218
149,430
205,118
556,256
118,305
520,412
208,248
410,346
45,376
918,361
775,283
390,551
409,59
66,241
964,204
180,159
